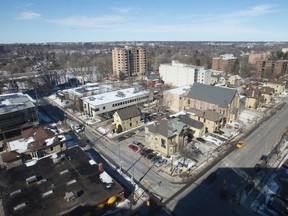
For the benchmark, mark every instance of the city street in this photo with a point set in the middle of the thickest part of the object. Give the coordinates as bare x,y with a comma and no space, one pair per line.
202,198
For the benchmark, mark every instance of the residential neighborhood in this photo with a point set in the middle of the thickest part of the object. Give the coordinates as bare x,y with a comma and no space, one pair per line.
143,108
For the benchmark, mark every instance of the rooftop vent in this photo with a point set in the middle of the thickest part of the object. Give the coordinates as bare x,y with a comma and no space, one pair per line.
91,98
120,94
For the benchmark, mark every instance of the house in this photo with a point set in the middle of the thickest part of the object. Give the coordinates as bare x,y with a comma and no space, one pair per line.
165,136
254,97
212,120
127,118
66,183
37,142
234,80
278,86
225,101
10,159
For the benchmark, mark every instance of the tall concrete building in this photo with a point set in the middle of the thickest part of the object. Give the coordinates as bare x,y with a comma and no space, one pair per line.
129,60
224,63
178,74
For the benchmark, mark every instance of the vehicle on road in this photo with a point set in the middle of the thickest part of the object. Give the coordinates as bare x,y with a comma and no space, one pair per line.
130,134
240,144
211,177
133,147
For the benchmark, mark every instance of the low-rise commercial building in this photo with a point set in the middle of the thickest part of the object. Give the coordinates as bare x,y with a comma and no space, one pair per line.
173,99
17,112
115,100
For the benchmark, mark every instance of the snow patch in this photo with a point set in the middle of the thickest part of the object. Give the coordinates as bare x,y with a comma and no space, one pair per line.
105,178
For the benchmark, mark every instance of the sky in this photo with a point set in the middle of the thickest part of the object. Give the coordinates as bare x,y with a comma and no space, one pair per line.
40,21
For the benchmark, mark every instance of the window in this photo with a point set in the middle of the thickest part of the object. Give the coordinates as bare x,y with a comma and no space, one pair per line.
163,143
51,148
104,108
130,124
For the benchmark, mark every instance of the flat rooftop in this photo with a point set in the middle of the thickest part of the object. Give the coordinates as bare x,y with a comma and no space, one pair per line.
43,187
114,96
15,102
178,91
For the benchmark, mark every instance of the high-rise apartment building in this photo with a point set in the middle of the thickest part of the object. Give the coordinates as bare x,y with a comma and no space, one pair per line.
129,60
272,68
224,63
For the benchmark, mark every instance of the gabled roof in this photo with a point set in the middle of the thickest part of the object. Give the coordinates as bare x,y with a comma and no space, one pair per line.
128,112
206,114
10,156
212,94
191,122
167,128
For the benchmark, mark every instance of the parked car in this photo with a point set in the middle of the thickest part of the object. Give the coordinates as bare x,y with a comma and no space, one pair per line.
130,134
211,177
151,155
120,138
156,159
201,140
219,132
133,147
160,162
144,152
138,144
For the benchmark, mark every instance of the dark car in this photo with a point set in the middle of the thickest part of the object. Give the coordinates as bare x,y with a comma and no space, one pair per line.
258,167
219,132
156,159
120,138
201,140
211,177
130,134
151,156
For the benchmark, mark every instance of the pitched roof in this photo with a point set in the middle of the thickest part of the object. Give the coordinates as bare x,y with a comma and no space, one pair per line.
191,122
206,114
128,112
212,94
10,156
167,128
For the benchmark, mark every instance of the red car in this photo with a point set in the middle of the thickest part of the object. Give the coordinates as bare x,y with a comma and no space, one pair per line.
133,148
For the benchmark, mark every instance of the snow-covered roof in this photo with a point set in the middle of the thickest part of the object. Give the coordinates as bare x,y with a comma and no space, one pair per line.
114,96
178,91
20,145
14,102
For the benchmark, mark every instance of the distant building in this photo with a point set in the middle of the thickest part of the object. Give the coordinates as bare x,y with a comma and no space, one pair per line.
224,63
115,100
179,74
17,112
254,58
67,183
127,118
284,50
272,68
129,60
